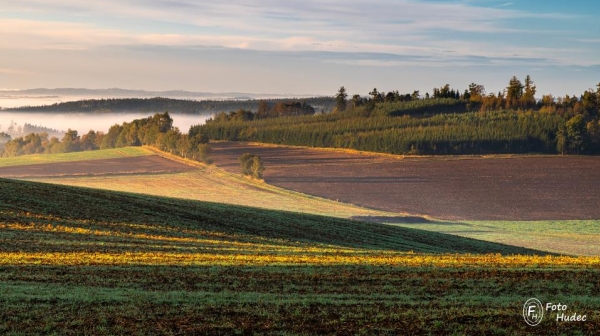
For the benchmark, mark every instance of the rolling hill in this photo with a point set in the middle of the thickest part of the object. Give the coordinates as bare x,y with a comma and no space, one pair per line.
82,208
78,260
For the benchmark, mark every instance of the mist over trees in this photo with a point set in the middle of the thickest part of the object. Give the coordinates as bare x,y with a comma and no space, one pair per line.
15,130
449,121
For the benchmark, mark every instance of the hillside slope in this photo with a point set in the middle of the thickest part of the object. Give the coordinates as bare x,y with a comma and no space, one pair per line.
113,214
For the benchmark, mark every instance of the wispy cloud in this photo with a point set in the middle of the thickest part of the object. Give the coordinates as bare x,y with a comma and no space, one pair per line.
404,27
373,35
335,20
506,4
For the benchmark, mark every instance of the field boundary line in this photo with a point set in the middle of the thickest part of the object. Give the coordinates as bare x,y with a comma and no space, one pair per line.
400,156
176,158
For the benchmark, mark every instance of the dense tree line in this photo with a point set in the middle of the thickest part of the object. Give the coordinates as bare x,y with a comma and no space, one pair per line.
465,133
473,122
157,131
41,143
265,110
167,104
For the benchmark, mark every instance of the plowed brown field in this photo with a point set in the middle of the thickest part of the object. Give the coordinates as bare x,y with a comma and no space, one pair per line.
454,188
127,165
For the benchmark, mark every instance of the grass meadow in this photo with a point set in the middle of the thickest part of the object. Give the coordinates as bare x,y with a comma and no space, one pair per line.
74,156
571,237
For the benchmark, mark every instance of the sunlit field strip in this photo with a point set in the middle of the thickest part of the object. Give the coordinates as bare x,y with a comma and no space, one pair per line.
216,185
24,216
229,245
375,259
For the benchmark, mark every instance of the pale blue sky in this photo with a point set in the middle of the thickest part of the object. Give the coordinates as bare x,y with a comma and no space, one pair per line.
300,47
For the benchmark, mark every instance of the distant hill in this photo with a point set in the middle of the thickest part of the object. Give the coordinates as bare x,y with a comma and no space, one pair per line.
159,104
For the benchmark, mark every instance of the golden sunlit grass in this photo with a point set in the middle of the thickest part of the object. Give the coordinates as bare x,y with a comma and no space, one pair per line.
217,248
215,185
303,259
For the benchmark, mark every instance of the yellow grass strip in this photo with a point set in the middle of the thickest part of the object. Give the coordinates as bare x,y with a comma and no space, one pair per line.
226,244
381,259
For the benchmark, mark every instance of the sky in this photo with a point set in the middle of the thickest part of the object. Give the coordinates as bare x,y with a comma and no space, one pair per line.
299,47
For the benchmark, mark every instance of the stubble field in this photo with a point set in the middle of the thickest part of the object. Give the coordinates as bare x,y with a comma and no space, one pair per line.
123,165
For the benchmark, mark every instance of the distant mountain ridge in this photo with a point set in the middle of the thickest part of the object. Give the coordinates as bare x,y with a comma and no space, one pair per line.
125,93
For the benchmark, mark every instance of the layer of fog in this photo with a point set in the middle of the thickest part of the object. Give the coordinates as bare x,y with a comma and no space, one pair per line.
85,122
10,99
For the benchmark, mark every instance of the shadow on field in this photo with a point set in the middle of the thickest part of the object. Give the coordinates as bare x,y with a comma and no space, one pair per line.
403,220
395,219
159,216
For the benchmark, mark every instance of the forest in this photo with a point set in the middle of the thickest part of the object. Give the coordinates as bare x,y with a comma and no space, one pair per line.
447,122
157,131
160,105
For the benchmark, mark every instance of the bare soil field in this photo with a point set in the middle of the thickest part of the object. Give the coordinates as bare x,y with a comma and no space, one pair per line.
452,188
125,165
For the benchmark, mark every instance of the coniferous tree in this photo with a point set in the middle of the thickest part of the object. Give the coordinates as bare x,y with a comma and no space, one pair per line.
375,95
514,92
341,100
529,93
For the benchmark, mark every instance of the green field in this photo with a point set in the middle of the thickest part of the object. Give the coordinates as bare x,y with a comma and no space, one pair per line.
564,237
80,260
75,156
